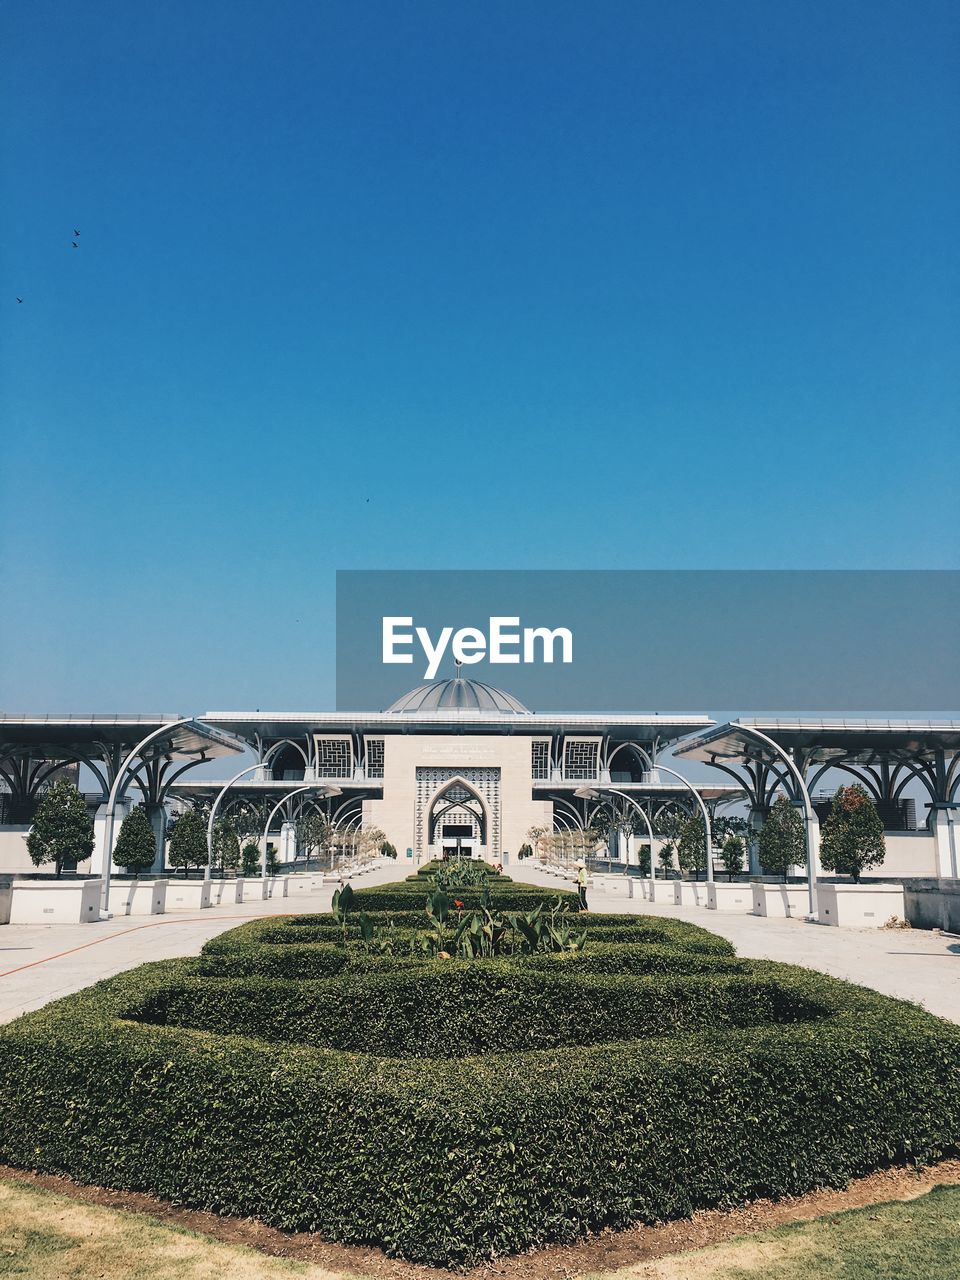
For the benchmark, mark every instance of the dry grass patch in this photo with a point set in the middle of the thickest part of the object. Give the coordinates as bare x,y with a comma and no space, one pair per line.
907,1240
44,1236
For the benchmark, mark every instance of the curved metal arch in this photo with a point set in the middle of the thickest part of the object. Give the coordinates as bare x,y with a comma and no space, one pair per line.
573,812
870,782
917,772
336,816
274,750
644,756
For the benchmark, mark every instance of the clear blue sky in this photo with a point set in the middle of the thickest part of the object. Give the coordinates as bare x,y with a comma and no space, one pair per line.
441,284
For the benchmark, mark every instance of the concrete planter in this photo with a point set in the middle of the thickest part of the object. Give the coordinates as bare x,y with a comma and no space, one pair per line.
859,906
303,885
55,901
255,887
223,892
138,897
730,897
694,893
669,892
780,901
613,886
188,895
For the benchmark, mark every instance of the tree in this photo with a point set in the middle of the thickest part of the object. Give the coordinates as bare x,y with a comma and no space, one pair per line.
692,845
524,851
250,859
782,843
136,847
62,829
643,854
387,850
732,855
188,841
226,845
535,835
314,831
665,857
852,837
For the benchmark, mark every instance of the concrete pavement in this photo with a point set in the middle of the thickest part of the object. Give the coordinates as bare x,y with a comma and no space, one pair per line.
911,964
40,963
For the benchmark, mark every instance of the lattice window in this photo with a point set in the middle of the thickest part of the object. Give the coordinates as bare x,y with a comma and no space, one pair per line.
374,748
540,760
334,758
581,757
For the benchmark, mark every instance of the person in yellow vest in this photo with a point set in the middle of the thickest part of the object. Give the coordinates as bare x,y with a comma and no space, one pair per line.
582,883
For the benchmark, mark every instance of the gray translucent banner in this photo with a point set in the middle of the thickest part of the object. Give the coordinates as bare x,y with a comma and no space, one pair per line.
836,642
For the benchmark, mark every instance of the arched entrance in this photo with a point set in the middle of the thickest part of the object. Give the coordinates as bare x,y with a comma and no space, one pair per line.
457,822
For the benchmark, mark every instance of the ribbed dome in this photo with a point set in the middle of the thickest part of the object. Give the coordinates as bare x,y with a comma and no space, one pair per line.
460,697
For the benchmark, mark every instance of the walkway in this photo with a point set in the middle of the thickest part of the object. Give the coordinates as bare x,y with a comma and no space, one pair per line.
911,964
40,963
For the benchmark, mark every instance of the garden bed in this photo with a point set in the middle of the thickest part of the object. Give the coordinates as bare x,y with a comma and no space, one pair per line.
451,1110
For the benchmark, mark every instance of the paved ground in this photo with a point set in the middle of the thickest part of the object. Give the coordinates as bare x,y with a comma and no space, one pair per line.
39,963
912,964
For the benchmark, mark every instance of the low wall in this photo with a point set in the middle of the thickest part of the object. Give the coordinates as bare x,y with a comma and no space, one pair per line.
932,904
55,901
859,906
273,887
138,897
780,901
187,895
733,896
299,886
227,892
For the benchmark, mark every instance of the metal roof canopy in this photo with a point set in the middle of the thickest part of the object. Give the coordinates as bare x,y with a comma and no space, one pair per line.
58,736
269,725
820,741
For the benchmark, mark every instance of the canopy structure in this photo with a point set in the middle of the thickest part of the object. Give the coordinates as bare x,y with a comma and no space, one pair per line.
883,755
33,748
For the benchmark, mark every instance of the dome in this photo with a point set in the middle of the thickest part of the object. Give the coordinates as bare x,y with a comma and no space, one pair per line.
459,697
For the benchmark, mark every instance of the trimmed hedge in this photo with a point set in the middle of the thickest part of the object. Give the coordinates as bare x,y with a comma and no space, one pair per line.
719,1080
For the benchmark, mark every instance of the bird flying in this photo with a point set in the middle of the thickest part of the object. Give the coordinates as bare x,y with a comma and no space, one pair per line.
75,245
19,299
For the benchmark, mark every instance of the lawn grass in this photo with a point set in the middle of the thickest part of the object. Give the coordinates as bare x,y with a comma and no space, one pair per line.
44,1236
903,1240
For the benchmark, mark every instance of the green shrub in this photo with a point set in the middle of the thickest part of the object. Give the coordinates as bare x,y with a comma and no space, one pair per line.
452,1110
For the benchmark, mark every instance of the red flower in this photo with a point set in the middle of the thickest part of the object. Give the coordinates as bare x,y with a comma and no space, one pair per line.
457,903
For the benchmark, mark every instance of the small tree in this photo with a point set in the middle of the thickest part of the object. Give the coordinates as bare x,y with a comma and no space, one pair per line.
524,851
732,855
387,850
250,858
537,834
136,847
781,841
665,857
188,842
62,829
643,855
226,845
692,845
852,838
